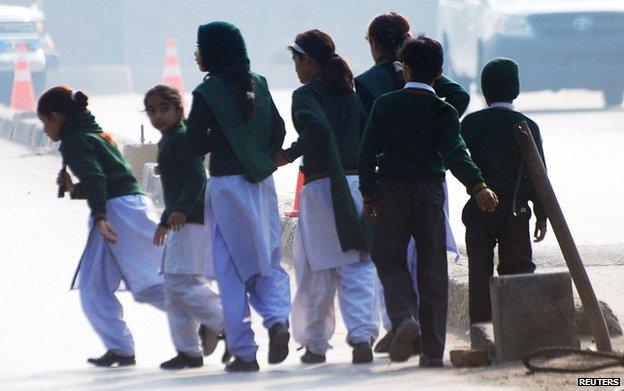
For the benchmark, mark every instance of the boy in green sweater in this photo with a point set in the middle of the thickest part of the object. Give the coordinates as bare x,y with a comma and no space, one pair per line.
489,135
416,137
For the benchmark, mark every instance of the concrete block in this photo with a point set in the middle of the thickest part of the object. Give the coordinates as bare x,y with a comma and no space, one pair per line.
482,338
469,358
138,155
530,312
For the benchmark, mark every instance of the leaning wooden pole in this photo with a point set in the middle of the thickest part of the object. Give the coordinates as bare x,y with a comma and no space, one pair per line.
545,192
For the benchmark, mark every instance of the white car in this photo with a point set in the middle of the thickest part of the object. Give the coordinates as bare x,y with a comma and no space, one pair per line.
556,43
24,25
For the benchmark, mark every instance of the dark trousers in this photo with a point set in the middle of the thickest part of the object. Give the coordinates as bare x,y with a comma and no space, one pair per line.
414,210
483,232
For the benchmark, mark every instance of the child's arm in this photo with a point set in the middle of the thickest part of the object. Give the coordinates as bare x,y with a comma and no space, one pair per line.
312,131
80,156
370,147
453,94
199,122
194,178
278,130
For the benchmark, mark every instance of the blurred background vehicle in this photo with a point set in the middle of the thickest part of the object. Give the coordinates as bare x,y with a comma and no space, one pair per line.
24,25
558,44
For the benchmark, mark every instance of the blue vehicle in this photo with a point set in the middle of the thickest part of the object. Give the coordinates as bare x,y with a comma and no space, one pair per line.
24,25
557,43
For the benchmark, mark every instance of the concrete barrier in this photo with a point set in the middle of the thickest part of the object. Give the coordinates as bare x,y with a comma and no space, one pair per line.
138,155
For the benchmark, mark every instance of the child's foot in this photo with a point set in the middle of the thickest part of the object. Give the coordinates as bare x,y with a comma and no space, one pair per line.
312,358
209,340
278,343
111,358
430,362
403,340
362,353
239,365
383,346
182,361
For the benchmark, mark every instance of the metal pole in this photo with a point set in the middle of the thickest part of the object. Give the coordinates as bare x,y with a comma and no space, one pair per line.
142,135
546,193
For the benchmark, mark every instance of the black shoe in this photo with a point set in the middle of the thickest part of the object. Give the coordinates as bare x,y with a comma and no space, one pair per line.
417,346
227,356
430,362
402,342
362,353
312,358
182,361
209,340
278,343
239,365
383,346
110,358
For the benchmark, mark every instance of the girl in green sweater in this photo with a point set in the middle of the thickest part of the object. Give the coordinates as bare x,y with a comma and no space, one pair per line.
119,248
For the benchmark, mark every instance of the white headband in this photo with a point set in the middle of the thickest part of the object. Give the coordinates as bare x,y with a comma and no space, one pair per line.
73,94
297,48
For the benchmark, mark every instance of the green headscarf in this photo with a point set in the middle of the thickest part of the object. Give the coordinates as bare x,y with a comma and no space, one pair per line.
500,80
222,49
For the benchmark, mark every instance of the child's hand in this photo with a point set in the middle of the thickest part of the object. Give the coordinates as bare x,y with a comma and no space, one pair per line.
109,234
176,220
281,159
160,234
540,231
370,210
64,180
486,200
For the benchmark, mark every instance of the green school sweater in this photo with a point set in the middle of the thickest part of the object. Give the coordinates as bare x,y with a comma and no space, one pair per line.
182,176
103,172
489,135
380,79
207,135
347,119
415,136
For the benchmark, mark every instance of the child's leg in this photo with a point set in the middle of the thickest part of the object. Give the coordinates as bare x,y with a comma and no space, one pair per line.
514,242
390,238
270,296
239,335
429,233
313,314
154,295
99,279
182,326
356,294
192,294
480,242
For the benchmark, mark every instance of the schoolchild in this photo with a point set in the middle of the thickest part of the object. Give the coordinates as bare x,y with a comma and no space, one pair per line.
119,248
489,135
233,118
412,136
330,244
189,299
386,34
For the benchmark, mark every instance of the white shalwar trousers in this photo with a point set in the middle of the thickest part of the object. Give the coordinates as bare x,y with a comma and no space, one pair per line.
190,301
245,225
451,247
322,269
133,260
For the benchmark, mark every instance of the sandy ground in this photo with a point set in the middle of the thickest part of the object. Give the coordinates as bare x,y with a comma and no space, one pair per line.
45,338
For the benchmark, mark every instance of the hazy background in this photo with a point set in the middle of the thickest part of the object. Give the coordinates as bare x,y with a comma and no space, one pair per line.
124,40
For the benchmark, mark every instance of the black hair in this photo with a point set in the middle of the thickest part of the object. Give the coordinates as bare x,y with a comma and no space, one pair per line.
335,71
424,56
389,31
170,94
62,100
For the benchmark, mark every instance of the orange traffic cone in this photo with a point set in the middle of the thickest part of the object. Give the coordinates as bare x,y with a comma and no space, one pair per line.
295,211
171,72
23,94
